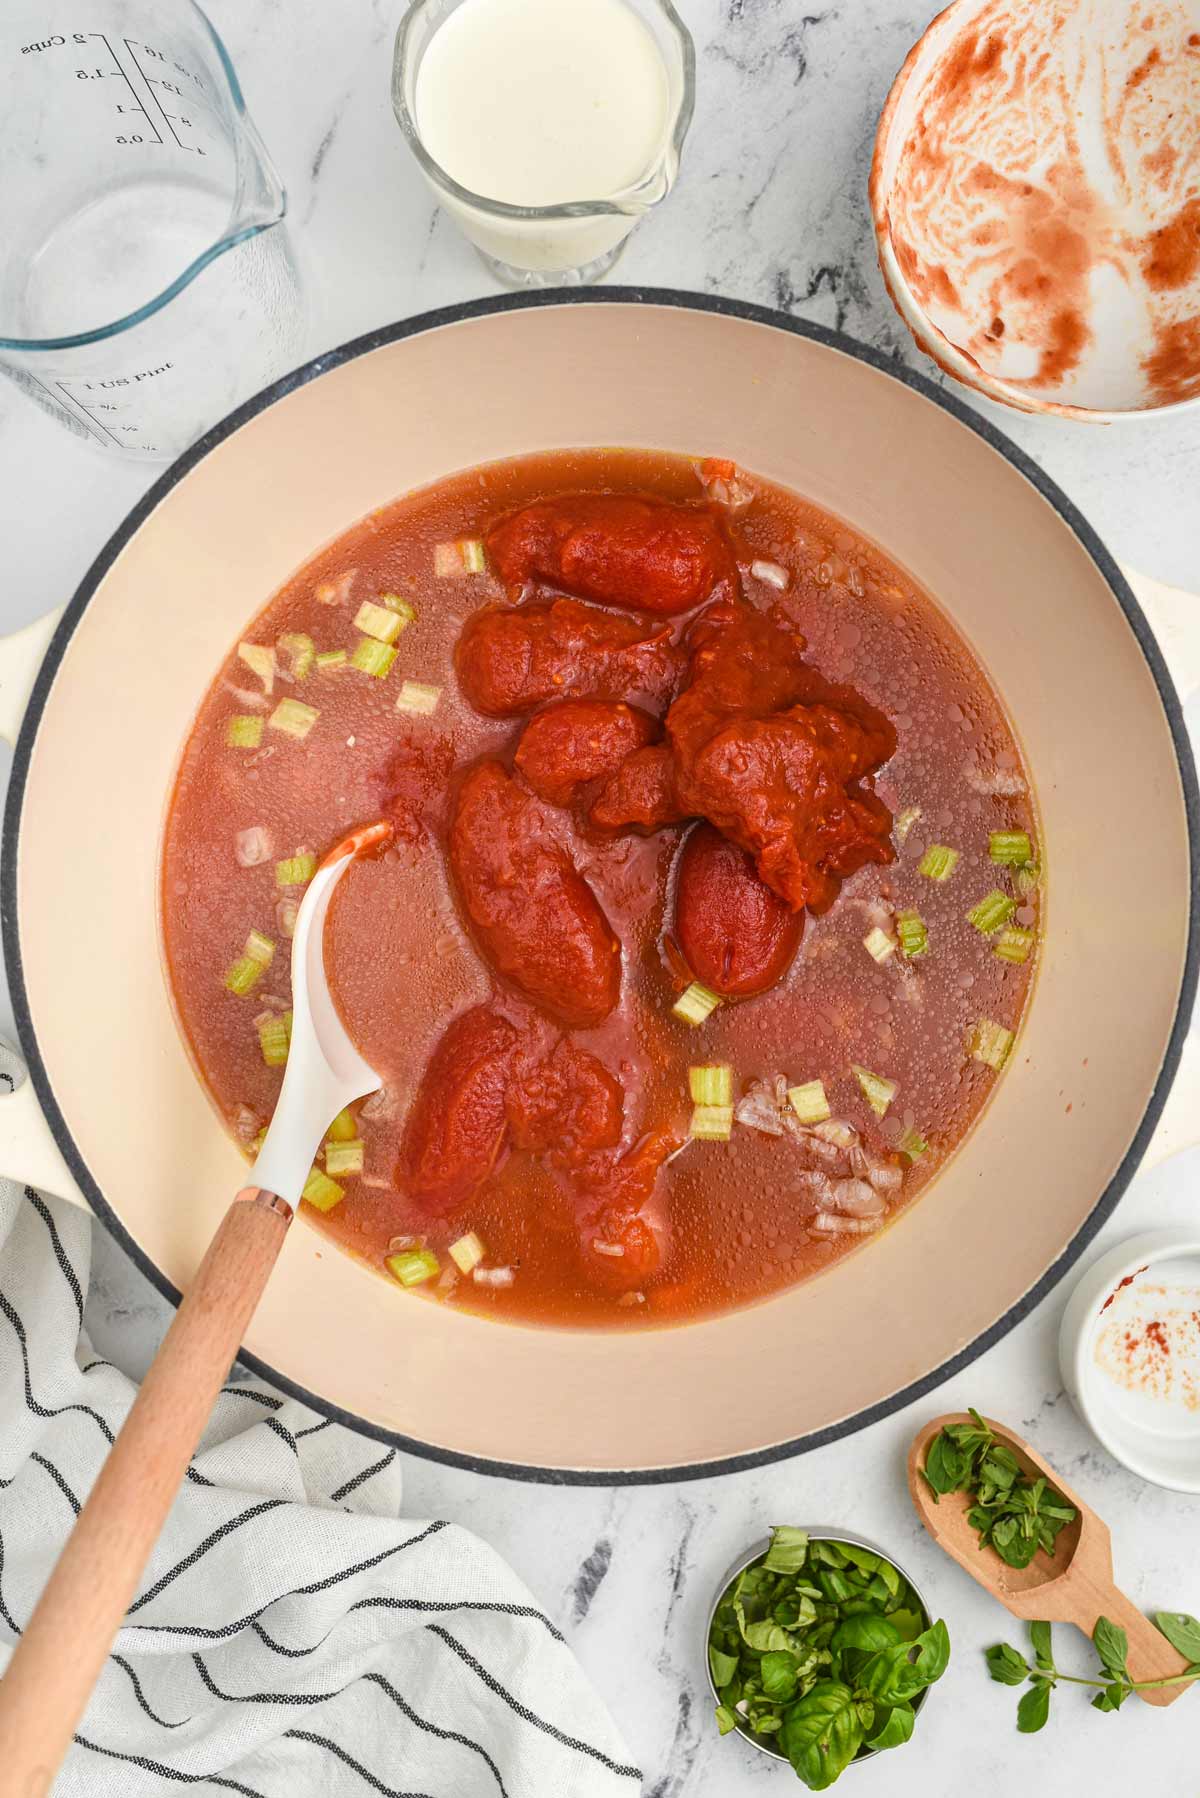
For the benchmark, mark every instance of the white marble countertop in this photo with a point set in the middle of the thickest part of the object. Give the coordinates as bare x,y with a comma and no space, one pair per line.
770,207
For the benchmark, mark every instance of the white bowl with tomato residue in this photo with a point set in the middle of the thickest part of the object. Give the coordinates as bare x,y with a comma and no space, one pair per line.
1035,192
1129,1348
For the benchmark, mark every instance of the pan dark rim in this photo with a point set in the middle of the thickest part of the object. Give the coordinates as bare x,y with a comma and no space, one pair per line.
619,296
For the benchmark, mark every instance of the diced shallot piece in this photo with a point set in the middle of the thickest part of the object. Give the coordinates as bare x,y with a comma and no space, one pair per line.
856,1198
991,782
383,1104
829,1223
246,1123
827,1153
253,701
493,1276
834,1130
719,478
336,592
252,847
883,1175
760,1111
772,573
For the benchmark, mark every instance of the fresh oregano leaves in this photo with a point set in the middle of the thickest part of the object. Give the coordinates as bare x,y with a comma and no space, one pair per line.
1009,1667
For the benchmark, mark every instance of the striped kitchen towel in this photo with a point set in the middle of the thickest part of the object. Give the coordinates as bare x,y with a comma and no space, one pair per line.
293,1634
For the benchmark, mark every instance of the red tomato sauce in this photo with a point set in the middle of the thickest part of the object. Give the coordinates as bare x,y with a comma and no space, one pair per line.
509,964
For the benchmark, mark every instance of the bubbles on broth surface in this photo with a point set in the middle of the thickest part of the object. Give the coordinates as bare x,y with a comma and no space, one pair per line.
404,965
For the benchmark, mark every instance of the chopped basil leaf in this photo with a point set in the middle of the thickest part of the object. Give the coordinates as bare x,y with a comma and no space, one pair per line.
819,1649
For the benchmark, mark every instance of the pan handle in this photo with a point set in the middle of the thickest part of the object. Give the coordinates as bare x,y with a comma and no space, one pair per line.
1174,617
28,1152
21,655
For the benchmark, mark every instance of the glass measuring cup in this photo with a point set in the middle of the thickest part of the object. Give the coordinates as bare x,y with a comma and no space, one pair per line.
146,281
577,241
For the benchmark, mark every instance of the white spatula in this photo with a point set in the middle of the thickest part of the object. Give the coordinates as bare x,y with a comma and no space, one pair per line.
58,1659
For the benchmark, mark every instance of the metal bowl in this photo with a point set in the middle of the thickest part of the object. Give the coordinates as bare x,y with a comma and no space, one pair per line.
817,1533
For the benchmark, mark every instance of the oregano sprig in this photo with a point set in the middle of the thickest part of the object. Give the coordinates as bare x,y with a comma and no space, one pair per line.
1009,1667
1013,1512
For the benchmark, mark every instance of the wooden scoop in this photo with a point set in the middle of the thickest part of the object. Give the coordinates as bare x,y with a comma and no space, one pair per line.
1074,1585
56,1663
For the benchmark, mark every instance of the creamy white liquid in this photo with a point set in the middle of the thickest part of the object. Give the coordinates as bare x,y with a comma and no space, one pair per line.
537,102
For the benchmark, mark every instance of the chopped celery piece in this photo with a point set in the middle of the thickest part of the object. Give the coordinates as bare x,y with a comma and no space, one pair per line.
379,622
403,608
467,1252
991,1043
879,945
912,1144
260,948
938,862
322,1192
415,696
1014,944
274,1038
260,659
344,1157
248,969
711,1084
711,1123
300,652
295,870
464,557
914,938
1010,848
331,658
904,823
877,1091
1027,878
293,718
809,1102
244,975
413,1266
371,657
244,732
696,1004
993,910
343,1128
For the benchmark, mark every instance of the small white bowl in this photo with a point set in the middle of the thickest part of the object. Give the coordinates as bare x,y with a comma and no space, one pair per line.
1121,1378
1034,196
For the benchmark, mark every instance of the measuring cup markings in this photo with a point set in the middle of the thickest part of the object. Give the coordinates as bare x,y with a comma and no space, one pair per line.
104,74
151,83
138,301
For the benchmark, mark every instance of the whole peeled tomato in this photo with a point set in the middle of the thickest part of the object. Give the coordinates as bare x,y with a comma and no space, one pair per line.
737,936
457,1126
533,915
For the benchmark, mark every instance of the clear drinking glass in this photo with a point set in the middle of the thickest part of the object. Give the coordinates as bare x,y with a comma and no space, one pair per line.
146,281
566,245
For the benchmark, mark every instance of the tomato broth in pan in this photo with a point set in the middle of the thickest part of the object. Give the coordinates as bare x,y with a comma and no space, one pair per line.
712,905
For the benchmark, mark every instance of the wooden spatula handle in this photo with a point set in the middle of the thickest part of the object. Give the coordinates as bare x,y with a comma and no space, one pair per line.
1150,1654
58,1659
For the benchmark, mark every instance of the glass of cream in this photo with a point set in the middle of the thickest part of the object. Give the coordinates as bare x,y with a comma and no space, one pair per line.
546,128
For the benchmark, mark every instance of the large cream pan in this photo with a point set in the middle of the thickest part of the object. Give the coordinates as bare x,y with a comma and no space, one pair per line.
1025,581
